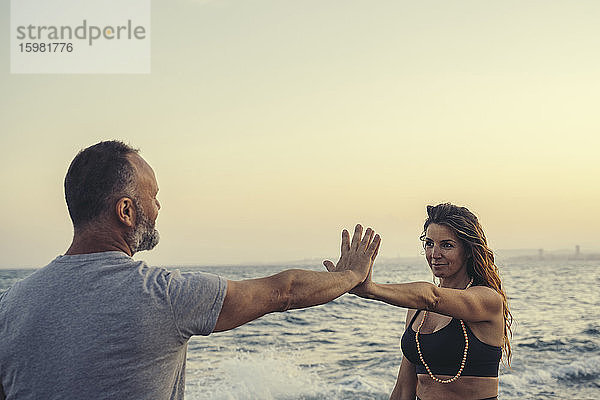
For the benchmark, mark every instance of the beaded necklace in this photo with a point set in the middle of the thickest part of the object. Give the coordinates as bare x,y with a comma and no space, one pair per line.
464,359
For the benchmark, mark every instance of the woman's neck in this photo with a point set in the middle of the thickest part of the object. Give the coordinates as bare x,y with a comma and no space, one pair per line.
455,282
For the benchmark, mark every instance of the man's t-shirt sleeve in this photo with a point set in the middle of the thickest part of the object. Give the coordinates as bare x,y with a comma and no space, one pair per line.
196,300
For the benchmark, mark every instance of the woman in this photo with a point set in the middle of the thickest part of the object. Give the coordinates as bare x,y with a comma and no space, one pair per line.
456,331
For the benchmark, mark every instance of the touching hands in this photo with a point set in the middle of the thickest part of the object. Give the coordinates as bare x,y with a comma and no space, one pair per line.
357,256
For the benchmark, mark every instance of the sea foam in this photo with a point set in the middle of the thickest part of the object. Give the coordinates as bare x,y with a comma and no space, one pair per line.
265,376
272,375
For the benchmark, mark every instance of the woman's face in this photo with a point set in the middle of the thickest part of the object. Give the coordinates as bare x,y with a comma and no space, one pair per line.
444,251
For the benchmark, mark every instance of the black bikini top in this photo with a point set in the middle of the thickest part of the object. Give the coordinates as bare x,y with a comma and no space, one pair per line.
443,351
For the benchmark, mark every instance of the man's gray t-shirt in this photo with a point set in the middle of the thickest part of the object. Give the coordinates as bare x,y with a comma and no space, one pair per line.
103,326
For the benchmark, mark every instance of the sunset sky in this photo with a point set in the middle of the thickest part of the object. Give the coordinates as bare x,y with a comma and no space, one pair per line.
272,125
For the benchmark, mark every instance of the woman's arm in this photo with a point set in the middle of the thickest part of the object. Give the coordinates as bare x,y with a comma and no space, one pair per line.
475,304
406,384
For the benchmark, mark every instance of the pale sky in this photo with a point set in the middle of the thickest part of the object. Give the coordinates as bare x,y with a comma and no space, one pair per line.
272,125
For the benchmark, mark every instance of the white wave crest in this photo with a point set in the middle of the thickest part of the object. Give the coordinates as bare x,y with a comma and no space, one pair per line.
579,369
575,370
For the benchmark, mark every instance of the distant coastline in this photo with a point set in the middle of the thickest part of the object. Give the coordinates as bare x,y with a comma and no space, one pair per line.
559,255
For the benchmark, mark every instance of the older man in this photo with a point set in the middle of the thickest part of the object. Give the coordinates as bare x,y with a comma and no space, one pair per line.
96,324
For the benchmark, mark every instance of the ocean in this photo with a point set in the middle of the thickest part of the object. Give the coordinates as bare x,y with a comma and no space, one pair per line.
350,348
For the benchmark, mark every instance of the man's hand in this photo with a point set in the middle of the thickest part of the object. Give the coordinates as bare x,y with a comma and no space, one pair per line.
358,255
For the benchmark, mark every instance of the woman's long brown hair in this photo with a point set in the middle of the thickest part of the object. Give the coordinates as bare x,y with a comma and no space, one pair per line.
480,258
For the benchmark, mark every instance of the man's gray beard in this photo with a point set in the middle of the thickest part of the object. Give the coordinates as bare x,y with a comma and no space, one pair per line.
144,235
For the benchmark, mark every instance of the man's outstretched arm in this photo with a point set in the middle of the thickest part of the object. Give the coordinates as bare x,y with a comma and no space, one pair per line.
250,299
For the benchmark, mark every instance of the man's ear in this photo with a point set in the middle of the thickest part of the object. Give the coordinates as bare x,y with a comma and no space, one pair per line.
125,211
